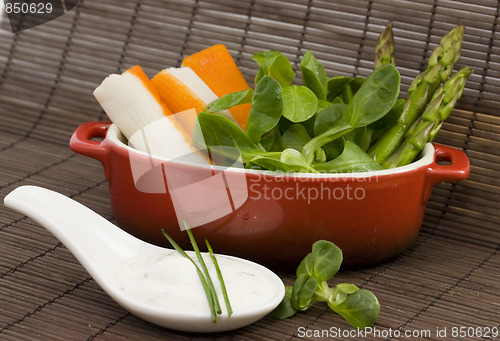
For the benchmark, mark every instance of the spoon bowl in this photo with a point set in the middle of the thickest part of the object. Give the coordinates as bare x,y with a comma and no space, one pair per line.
102,248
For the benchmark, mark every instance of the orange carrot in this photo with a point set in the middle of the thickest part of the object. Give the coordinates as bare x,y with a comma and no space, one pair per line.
130,101
216,67
139,73
134,105
181,89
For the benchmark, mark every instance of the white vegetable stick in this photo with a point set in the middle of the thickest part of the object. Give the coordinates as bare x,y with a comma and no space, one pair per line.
144,120
187,77
168,139
128,102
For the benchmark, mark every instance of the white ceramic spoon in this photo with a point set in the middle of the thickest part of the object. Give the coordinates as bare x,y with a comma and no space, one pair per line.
102,248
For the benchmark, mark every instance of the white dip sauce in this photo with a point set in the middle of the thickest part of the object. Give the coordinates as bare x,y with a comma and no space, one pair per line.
169,280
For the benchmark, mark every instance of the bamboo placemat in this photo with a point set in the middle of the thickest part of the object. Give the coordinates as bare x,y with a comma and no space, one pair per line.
449,278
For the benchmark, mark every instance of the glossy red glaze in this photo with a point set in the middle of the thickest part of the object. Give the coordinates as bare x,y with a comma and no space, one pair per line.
371,217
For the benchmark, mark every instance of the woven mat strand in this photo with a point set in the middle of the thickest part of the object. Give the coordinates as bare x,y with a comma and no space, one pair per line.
449,277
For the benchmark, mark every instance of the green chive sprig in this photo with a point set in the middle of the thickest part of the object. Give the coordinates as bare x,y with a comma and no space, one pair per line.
203,274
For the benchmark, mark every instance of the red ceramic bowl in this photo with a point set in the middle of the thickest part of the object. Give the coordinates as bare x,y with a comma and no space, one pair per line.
370,216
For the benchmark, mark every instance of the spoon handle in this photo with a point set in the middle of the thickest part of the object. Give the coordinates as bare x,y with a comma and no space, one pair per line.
96,243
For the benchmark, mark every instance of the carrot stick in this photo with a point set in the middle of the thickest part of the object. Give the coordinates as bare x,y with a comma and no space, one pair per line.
130,101
216,67
139,73
181,89
133,104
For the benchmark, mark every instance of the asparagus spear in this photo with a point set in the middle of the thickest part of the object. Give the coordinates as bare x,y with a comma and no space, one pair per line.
384,48
384,54
439,68
425,129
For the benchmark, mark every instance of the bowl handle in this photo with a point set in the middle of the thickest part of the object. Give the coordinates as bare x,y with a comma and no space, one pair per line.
457,167
82,140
